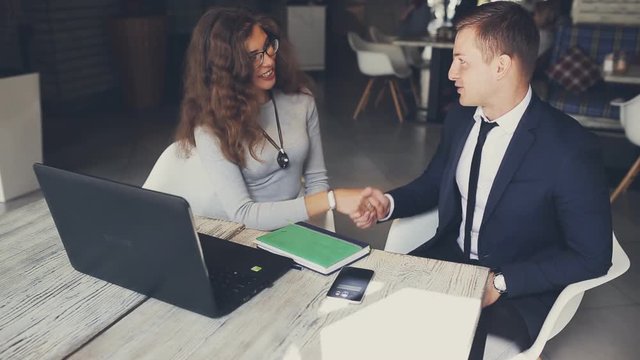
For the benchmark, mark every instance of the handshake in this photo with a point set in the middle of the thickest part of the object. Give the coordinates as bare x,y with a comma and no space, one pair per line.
364,206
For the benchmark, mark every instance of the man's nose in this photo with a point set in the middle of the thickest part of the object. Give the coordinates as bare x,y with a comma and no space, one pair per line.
453,72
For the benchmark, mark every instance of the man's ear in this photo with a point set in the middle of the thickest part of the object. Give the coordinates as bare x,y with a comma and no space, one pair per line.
504,63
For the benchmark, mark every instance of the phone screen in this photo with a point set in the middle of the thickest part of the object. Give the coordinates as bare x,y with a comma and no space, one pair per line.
351,284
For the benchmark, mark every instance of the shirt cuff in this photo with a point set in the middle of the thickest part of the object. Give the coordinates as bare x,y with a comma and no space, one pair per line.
391,207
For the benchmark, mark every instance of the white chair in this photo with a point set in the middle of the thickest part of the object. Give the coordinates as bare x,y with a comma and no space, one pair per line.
569,299
416,59
380,37
407,234
411,53
380,60
412,57
630,120
175,173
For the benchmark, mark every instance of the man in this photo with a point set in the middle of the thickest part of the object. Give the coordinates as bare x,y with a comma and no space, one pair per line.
526,198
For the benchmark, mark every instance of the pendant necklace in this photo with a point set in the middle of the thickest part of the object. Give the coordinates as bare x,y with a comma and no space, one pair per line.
282,158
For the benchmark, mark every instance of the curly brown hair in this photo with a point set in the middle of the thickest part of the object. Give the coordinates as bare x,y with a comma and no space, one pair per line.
219,94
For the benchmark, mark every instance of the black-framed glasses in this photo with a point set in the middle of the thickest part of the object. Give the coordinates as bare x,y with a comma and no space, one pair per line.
270,48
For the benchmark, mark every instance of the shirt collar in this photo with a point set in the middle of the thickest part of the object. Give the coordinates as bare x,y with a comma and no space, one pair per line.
509,121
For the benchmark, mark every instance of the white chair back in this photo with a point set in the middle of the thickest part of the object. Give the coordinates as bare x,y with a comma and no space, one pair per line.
176,174
413,56
630,118
380,37
370,63
569,300
379,59
630,121
409,233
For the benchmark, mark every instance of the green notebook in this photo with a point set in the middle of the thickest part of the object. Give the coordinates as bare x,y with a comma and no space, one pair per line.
315,248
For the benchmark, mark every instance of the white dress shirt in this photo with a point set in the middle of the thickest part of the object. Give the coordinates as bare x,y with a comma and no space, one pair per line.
493,152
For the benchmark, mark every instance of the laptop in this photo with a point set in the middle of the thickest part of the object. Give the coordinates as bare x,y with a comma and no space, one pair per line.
145,241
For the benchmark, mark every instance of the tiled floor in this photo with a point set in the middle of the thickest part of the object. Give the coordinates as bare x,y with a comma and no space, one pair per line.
377,151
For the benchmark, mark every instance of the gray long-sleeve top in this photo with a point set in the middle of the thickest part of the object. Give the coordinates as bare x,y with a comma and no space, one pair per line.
262,195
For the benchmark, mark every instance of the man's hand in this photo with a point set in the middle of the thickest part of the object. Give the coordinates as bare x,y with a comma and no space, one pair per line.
491,294
374,206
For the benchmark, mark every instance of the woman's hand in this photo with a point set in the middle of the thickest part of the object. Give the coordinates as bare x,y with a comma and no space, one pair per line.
349,201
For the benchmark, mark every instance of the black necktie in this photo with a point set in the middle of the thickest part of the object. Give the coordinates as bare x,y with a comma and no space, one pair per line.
485,127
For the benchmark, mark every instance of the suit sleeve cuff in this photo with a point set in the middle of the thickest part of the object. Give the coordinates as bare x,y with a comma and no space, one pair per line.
391,207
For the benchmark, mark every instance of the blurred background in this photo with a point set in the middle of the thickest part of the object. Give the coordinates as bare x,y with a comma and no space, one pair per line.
109,87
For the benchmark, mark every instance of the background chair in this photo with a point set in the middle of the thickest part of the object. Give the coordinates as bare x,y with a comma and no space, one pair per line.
176,174
415,58
630,120
380,37
412,53
409,233
376,61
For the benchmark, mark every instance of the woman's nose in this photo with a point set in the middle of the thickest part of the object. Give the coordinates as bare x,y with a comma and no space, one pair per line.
268,59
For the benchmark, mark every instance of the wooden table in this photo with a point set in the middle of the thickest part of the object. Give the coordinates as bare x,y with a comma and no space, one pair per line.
433,77
631,76
49,310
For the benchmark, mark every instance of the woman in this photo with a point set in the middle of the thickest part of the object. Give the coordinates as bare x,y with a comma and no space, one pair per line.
250,117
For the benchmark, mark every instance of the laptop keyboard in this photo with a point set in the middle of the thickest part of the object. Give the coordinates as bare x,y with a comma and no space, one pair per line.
232,274
233,285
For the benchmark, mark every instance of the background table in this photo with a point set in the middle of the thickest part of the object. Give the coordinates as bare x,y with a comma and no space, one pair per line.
631,76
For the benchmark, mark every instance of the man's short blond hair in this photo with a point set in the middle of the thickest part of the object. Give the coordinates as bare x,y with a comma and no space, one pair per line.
504,27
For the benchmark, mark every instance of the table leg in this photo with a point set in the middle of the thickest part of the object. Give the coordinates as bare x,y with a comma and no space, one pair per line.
440,59
425,77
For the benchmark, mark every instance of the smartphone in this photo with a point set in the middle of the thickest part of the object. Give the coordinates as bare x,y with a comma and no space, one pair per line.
351,284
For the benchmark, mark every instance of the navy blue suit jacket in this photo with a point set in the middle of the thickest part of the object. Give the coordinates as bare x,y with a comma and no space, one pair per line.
547,222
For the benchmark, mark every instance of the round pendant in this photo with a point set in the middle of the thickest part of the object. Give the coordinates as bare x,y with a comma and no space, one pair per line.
283,159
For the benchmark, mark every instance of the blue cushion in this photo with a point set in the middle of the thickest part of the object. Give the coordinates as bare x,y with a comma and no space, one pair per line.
591,103
596,41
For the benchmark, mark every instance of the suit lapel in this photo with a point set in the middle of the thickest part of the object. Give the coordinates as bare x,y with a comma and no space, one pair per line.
520,143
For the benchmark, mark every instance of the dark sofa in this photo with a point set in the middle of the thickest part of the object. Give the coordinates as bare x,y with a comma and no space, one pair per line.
592,107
